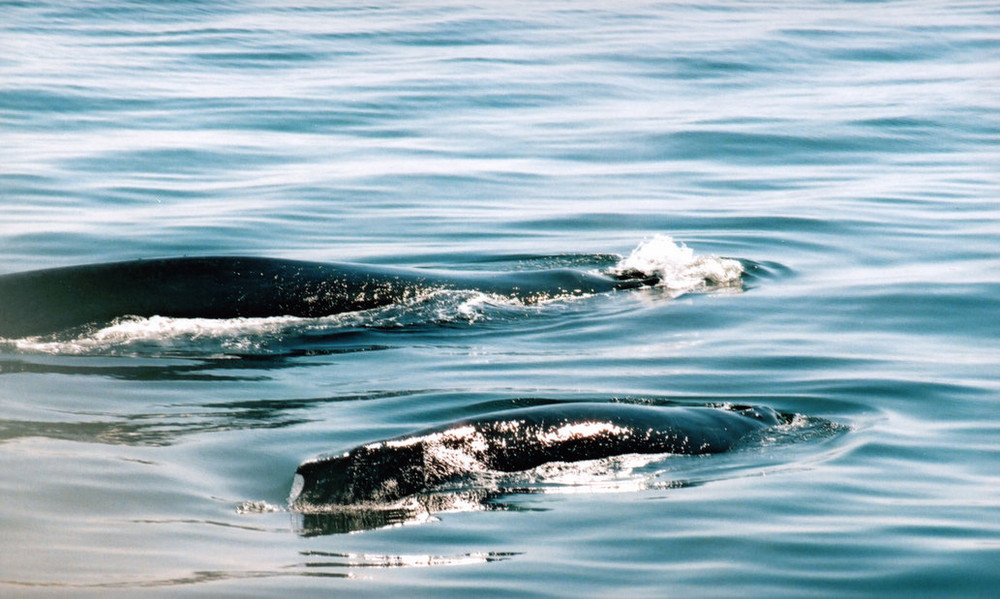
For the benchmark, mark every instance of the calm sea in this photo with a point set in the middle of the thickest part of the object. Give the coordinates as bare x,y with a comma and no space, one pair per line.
847,152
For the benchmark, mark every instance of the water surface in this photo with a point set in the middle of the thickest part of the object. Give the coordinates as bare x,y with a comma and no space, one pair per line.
846,153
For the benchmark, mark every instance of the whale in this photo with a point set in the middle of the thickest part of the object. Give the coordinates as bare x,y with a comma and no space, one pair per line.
51,300
384,473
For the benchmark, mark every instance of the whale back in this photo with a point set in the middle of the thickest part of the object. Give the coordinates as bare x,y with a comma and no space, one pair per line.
51,300
387,471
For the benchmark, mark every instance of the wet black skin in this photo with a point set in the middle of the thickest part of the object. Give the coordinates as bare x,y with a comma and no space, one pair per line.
387,471
51,300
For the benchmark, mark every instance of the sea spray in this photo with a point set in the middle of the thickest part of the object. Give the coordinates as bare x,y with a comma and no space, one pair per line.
677,267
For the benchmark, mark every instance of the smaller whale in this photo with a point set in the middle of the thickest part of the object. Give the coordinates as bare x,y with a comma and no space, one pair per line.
386,472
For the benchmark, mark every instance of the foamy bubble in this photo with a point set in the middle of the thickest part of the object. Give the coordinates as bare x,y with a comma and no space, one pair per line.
677,267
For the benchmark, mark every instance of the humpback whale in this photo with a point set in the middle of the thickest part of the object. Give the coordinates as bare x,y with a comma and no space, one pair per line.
386,472
51,300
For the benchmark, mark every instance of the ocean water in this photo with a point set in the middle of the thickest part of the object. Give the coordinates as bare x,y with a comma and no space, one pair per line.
845,154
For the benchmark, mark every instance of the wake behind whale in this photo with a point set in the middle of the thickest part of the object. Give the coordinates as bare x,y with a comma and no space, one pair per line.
48,301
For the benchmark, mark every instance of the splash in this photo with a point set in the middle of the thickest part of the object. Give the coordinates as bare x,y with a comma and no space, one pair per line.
677,267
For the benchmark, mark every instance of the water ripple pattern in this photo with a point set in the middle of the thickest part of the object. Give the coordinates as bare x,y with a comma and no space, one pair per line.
812,187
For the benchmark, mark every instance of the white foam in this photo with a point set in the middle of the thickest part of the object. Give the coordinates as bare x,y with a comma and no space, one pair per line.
160,335
678,268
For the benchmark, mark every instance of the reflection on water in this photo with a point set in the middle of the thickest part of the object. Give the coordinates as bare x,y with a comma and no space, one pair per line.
326,559
159,365
173,423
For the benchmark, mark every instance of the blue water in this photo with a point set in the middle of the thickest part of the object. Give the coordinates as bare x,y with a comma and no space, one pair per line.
849,152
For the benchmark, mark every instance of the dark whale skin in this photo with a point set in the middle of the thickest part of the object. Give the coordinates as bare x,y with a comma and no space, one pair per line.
387,471
47,301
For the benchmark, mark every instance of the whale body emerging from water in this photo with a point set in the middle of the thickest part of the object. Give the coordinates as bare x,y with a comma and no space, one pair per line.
47,301
386,472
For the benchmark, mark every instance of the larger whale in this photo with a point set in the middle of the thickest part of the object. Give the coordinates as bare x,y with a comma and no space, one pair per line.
50,300
386,472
